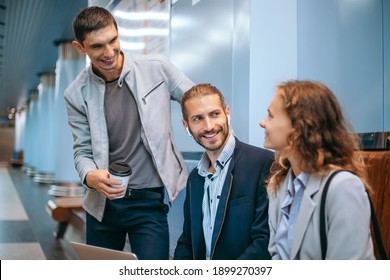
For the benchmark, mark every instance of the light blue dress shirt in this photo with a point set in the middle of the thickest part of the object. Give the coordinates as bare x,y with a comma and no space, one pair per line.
212,188
290,208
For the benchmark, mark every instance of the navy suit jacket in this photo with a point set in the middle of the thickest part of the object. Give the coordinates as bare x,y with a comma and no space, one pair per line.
241,228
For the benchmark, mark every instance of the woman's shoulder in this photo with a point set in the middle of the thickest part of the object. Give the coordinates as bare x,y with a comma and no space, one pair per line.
345,176
346,183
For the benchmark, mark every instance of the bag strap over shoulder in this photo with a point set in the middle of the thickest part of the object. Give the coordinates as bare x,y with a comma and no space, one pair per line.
324,240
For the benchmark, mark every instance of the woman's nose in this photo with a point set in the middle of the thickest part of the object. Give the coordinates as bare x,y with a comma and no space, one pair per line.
262,123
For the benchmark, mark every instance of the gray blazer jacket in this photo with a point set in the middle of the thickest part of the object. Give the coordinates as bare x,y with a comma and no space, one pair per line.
347,216
154,82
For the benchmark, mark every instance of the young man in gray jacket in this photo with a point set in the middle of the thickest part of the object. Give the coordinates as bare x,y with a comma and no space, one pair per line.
119,111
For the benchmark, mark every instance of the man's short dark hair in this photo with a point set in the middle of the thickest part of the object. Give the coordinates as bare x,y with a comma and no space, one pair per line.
91,19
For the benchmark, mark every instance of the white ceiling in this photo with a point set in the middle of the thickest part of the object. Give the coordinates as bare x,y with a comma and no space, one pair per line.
28,29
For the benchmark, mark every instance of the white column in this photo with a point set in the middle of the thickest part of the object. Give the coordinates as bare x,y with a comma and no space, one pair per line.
26,142
45,129
273,56
69,64
30,154
20,123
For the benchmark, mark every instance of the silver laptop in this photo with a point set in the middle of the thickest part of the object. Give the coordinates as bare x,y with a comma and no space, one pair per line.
89,252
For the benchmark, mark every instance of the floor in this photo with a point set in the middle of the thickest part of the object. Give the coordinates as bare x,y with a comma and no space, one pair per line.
26,229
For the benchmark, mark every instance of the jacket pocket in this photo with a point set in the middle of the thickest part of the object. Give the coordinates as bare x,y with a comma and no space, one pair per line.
151,91
175,154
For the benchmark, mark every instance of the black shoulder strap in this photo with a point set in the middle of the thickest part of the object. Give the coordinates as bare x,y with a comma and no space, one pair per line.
377,232
324,241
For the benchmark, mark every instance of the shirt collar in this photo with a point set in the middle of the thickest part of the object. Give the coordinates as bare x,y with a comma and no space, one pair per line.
302,178
223,158
126,68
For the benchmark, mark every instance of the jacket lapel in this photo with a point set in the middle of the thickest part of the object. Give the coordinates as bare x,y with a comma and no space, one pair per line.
197,189
222,206
224,198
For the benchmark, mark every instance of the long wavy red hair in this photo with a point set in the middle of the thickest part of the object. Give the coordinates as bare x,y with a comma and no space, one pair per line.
321,137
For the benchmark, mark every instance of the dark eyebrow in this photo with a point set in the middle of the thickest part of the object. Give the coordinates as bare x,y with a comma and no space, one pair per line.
195,116
95,45
114,39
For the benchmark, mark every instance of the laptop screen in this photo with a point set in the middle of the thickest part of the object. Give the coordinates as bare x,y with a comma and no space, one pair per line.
89,252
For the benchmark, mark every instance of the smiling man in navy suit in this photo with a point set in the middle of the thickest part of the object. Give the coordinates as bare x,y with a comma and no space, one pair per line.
226,206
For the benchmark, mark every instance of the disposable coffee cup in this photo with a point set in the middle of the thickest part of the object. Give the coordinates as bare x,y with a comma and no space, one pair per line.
120,171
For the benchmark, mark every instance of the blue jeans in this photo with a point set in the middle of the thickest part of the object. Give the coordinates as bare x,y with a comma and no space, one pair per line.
144,221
